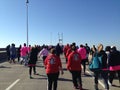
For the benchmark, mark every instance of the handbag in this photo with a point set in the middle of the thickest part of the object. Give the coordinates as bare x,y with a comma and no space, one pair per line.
96,63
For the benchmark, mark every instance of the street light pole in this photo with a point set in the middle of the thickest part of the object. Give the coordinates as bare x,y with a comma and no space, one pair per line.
27,21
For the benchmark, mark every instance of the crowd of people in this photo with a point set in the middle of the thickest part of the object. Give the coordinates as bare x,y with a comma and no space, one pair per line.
76,59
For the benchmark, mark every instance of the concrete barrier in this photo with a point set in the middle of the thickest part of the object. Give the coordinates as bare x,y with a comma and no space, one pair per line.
3,54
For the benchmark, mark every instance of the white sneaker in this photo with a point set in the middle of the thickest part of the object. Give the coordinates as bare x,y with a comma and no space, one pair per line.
109,83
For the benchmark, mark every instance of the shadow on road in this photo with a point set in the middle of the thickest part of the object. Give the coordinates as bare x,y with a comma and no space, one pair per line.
4,67
64,79
116,86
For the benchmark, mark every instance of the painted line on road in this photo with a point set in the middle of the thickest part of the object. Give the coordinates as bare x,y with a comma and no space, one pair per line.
98,80
12,84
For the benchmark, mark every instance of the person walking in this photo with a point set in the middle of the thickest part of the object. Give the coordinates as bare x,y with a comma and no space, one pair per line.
104,68
24,53
69,51
58,49
83,53
53,65
87,52
12,53
32,61
108,51
44,53
87,48
74,66
8,52
18,52
66,47
114,64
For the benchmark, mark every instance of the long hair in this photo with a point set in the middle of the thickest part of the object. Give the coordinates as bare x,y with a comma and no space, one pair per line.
100,47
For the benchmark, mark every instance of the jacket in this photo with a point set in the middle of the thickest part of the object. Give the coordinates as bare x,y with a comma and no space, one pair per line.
114,61
83,53
74,61
52,64
33,56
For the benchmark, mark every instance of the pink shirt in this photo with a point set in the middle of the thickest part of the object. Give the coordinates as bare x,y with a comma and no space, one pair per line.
29,48
24,51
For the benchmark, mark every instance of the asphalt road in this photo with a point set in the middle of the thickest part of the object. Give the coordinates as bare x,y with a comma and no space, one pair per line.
16,77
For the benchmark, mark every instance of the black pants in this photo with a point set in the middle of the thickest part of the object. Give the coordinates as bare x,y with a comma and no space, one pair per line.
52,80
44,57
76,77
84,64
112,75
104,75
18,58
30,70
8,55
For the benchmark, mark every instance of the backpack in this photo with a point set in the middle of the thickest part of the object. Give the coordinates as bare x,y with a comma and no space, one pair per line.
96,63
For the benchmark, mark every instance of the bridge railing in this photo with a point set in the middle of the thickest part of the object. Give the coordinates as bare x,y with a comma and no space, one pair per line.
3,54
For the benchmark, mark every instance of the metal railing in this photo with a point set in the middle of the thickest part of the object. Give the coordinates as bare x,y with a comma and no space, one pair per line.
3,54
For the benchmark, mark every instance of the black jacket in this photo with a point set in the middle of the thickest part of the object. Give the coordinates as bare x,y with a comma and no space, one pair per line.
33,56
114,58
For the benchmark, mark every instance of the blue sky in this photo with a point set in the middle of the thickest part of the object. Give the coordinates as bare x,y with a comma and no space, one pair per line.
80,21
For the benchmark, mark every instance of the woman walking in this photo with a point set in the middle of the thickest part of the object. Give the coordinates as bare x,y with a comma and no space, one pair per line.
53,65
32,61
44,52
114,64
74,66
83,54
104,68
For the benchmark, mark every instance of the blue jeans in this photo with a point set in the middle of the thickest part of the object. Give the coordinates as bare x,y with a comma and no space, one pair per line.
25,59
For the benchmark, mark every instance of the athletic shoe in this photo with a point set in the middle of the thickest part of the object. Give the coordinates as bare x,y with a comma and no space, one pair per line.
31,77
76,87
36,73
109,83
81,88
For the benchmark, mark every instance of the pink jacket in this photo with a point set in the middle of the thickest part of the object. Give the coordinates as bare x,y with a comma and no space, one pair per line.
24,51
82,52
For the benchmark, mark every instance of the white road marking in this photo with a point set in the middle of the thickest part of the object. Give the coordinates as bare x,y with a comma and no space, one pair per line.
12,84
98,80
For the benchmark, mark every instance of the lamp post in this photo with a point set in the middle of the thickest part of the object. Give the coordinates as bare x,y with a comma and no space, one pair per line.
27,21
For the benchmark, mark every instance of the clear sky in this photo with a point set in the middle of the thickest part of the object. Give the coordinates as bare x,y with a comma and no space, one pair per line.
80,21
